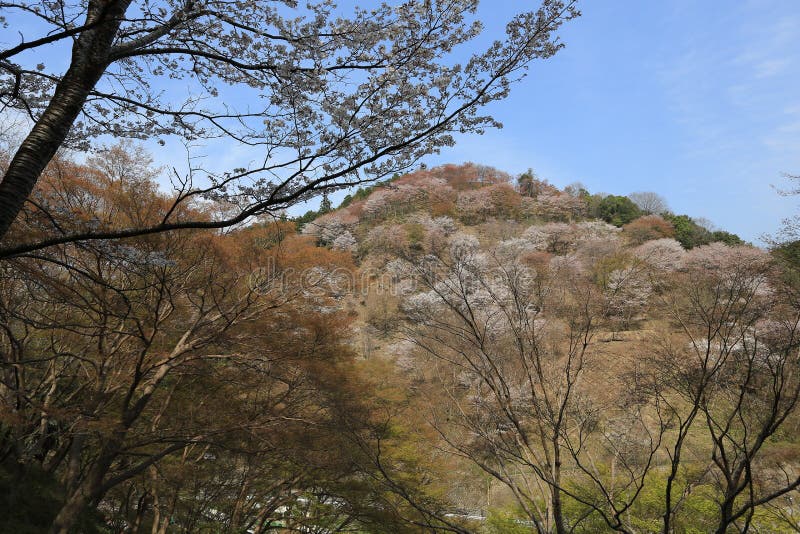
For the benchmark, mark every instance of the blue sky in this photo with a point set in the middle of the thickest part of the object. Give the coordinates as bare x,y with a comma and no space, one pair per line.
697,101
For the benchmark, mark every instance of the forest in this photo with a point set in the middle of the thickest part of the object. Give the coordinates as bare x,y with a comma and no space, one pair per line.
439,348
453,350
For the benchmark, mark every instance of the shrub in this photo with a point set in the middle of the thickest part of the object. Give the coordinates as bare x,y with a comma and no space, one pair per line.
648,228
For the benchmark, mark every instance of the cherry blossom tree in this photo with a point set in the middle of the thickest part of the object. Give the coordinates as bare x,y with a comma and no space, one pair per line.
557,238
628,292
329,227
597,230
346,241
442,224
511,364
559,206
327,101
728,375
392,199
474,206
662,254
497,200
561,238
508,347
388,238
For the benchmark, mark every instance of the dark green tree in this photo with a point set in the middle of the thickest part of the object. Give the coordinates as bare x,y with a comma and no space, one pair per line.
726,237
307,217
689,233
525,183
325,206
618,210
346,201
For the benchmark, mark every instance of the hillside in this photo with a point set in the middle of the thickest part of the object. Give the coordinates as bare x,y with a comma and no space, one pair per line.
455,350
478,196
547,338
449,350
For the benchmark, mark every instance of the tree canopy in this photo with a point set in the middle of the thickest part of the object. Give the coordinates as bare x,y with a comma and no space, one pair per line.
618,210
322,101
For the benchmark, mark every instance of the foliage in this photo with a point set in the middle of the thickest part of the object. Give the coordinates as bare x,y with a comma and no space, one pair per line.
648,228
360,194
789,253
691,234
530,185
333,100
497,200
501,522
618,210
301,221
559,207
325,205
30,499
199,381
728,238
688,232
473,371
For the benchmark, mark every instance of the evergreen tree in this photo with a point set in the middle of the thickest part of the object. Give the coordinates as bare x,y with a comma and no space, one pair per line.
325,206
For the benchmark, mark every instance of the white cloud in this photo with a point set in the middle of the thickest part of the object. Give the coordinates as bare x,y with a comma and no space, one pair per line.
771,67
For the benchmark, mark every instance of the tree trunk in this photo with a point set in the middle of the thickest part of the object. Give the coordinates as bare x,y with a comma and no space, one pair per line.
726,507
90,489
558,512
90,56
236,517
141,509
74,506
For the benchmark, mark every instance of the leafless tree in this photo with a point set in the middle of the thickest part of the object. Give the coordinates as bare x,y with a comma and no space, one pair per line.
512,349
730,376
649,202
